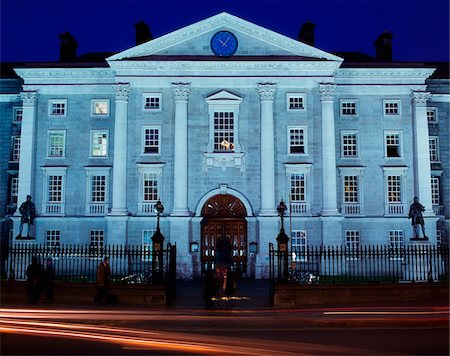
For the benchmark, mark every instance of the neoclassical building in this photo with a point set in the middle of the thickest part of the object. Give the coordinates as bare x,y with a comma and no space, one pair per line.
220,120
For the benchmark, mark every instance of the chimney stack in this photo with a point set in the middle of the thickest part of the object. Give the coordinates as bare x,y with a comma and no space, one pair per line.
383,47
67,47
143,33
306,33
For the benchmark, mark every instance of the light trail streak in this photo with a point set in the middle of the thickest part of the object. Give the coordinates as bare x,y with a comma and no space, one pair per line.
386,313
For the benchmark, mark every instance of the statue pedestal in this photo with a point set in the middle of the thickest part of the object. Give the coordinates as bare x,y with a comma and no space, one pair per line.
23,235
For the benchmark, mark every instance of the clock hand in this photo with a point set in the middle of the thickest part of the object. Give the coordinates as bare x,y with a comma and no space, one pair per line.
227,40
223,43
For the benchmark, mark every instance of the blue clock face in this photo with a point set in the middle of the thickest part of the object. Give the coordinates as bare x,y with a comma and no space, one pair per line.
224,44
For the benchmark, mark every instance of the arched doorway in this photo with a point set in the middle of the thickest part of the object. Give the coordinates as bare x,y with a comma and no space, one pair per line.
224,233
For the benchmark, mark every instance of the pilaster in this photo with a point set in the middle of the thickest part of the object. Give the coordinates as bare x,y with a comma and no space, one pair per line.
119,198
422,164
329,195
180,93
267,92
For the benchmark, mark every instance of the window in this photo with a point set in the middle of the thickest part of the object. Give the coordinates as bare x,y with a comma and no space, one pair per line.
393,147
53,240
299,246
151,140
351,187
435,195
15,150
348,107
297,140
97,196
438,238
349,145
56,144
14,190
351,190
151,102
96,242
297,175
396,244
100,107
147,244
296,101
57,108
352,244
394,201
432,115
224,131
99,143
150,181
17,114
54,190
434,148
391,107
297,187
394,185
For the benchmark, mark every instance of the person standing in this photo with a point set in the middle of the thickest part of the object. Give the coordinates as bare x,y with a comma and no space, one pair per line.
34,280
103,276
49,277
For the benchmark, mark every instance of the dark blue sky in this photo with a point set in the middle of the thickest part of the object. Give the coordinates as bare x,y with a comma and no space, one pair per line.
29,28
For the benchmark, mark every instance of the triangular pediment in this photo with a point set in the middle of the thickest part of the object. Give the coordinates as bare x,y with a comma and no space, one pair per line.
223,95
194,41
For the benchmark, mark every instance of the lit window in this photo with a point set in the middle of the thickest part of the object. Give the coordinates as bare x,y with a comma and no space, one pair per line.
147,244
349,145
297,140
56,143
394,189
97,190
432,115
434,148
351,195
151,101
15,151
296,101
54,190
99,142
393,144
348,107
58,108
100,107
391,107
224,131
151,140
299,246
17,114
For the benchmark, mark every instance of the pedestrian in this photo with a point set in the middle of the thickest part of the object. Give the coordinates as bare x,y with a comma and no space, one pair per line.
229,283
34,280
49,277
103,276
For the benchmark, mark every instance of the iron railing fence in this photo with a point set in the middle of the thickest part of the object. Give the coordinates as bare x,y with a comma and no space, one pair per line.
129,264
366,264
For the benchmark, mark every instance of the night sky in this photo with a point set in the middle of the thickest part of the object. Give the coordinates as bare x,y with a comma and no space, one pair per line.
30,28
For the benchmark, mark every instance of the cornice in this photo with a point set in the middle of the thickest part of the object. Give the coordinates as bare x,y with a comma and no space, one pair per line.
343,74
8,98
68,74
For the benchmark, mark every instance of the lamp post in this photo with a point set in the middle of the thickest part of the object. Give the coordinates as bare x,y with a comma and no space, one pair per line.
282,240
157,252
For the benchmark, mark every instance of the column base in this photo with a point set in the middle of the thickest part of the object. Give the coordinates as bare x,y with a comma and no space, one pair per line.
268,212
180,212
330,212
118,212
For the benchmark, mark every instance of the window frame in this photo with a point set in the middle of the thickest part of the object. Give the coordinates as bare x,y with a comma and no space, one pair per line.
290,96
143,140
434,152
108,108
53,240
435,191
352,244
145,207
397,244
400,144
392,101
147,244
91,147
151,95
435,111
51,102
348,101
14,190
299,245
16,115
94,206
350,132
15,148
49,143
47,208
305,140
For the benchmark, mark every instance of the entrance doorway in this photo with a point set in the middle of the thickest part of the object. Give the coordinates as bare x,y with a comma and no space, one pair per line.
224,234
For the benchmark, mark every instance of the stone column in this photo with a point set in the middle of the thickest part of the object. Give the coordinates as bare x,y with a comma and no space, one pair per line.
329,195
267,93
119,197
422,165
180,93
27,146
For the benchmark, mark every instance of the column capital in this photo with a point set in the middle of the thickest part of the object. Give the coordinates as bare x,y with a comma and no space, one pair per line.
29,98
327,91
181,91
122,91
420,97
267,91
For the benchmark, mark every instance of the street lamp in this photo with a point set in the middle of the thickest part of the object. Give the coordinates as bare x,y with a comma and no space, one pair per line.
157,240
282,240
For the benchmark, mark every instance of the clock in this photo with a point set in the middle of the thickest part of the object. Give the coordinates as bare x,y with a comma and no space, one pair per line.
224,44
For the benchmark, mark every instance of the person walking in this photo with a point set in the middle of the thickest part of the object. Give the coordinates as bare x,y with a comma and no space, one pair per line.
34,280
103,276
